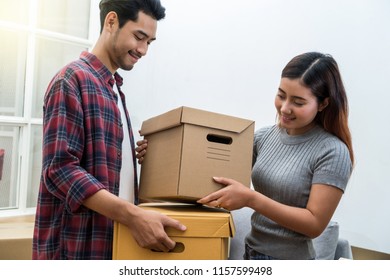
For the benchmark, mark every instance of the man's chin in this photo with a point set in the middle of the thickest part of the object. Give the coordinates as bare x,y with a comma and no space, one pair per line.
127,67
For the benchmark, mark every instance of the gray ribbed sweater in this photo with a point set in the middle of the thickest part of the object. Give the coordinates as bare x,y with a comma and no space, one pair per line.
284,169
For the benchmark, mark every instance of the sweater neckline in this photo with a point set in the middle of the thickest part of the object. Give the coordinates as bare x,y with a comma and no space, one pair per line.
298,139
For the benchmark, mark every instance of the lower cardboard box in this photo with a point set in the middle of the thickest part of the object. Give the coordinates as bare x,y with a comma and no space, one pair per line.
206,238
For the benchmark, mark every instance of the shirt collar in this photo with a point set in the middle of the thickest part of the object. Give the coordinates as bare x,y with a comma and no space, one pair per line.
101,69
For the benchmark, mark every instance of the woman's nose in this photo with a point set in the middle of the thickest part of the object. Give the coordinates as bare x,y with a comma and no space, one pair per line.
286,109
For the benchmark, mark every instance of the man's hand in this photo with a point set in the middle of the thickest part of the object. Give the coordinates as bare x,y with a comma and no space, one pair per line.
140,150
148,229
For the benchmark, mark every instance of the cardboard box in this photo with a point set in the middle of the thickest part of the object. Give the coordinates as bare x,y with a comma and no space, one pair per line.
187,147
206,238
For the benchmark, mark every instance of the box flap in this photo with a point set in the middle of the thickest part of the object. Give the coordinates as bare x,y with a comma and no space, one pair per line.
214,120
161,122
200,221
196,117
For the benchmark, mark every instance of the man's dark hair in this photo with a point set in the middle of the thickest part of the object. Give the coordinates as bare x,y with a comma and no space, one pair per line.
129,9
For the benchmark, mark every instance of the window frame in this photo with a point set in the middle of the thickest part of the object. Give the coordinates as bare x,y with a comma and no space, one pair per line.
27,123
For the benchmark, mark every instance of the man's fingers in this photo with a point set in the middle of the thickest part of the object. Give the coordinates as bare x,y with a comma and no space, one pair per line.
169,222
165,243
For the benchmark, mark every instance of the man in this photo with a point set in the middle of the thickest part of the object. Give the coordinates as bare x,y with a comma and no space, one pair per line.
84,145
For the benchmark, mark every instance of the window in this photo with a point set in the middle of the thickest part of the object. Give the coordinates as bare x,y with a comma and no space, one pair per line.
38,38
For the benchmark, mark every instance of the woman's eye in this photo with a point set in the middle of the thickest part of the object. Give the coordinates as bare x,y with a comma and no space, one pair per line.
299,102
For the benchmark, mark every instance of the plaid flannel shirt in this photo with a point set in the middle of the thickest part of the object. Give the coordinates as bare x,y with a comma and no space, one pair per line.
82,144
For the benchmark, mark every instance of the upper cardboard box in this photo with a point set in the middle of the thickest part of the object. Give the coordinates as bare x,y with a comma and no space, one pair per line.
187,147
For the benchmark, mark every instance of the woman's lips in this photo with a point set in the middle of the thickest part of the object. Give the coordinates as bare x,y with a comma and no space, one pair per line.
287,118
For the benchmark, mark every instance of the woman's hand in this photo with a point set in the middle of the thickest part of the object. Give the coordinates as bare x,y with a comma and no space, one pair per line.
233,196
140,150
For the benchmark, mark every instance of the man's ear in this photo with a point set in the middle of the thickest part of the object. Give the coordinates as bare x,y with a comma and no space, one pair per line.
111,21
323,105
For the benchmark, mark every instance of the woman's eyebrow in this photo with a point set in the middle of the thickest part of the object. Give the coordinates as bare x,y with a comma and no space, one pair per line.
293,96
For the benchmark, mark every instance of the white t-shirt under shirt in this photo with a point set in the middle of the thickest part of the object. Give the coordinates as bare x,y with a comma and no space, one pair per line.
126,187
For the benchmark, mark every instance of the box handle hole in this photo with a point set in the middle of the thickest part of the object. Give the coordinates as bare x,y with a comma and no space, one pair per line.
219,139
179,248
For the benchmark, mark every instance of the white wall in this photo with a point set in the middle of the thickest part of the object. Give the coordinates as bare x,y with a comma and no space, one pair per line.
226,56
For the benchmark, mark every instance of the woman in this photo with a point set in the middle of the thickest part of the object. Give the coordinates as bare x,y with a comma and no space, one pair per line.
301,166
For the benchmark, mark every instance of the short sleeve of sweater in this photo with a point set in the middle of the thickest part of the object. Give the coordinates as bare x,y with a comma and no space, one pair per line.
259,135
334,165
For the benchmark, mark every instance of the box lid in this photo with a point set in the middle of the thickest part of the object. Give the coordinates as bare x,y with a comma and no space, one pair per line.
200,221
196,117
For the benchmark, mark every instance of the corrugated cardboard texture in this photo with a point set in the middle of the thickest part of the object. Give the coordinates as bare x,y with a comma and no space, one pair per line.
206,237
187,147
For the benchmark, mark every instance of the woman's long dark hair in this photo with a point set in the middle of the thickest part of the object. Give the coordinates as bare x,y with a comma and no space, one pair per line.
320,73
